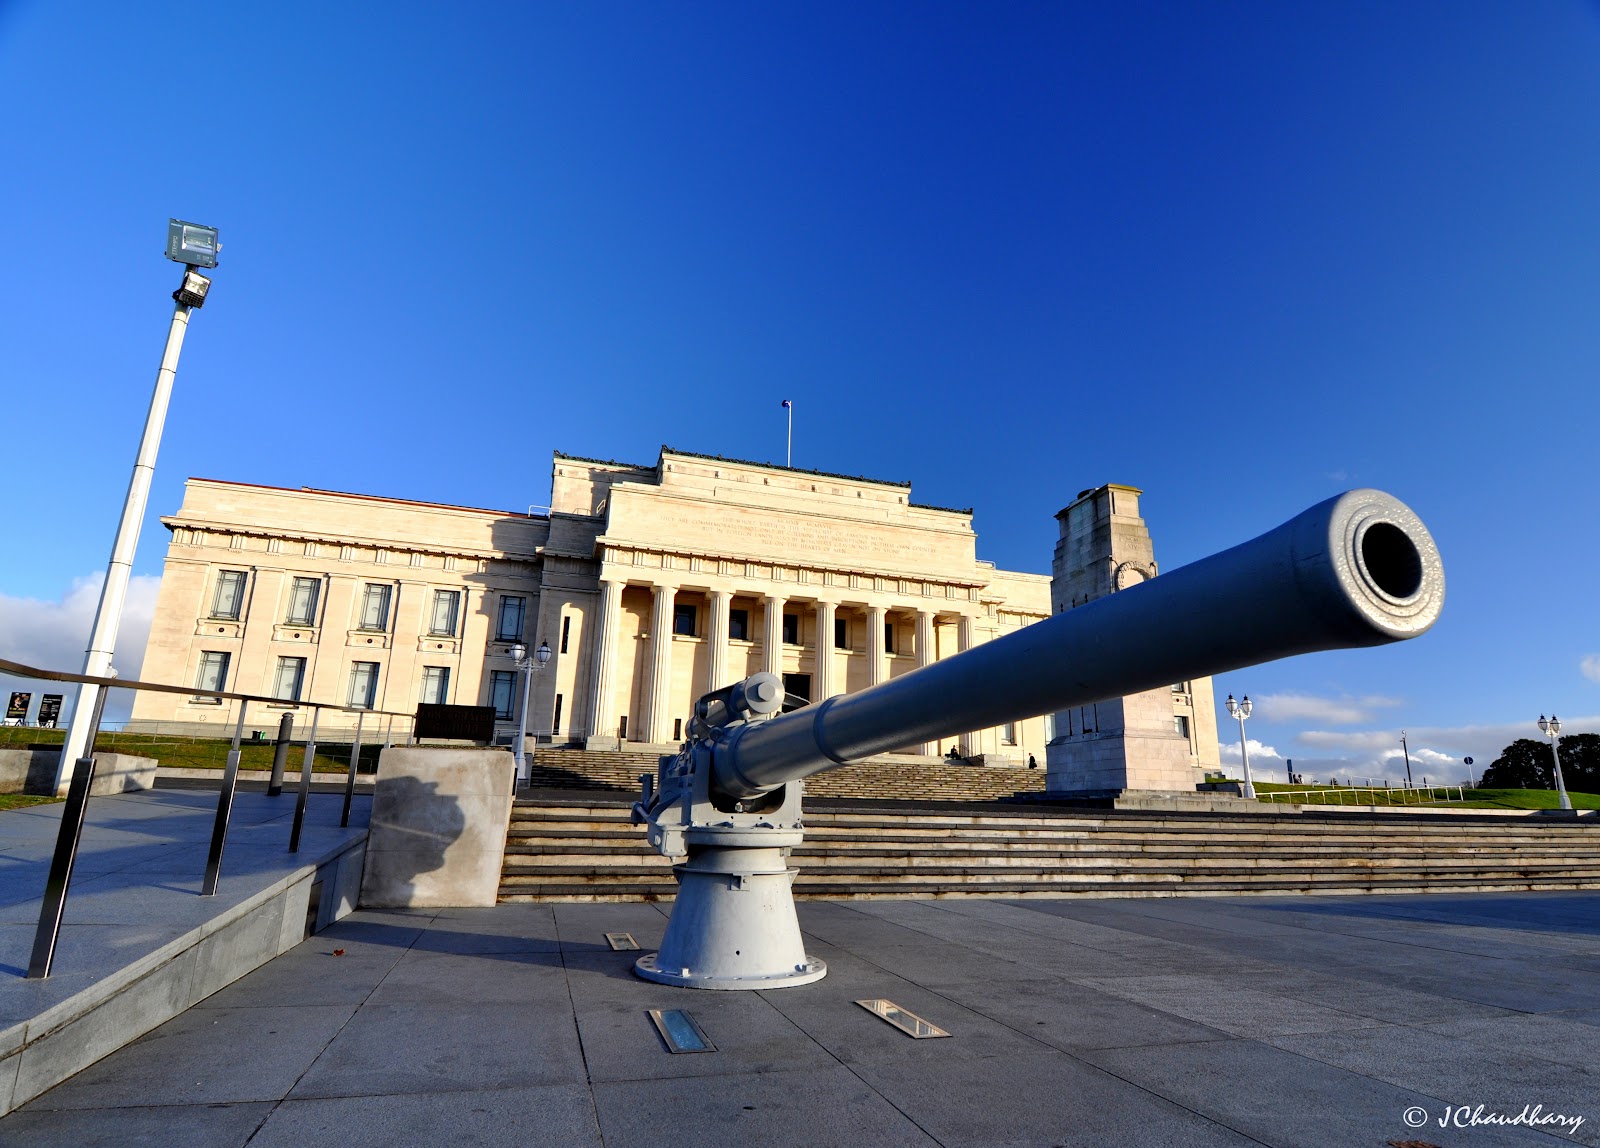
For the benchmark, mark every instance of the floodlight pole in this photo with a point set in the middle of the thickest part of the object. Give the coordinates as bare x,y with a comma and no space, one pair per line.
114,593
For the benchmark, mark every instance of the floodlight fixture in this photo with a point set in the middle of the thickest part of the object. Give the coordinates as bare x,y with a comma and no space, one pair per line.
193,291
192,243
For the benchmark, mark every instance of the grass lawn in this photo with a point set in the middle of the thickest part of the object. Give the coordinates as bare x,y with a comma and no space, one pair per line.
202,753
1526,799
23,800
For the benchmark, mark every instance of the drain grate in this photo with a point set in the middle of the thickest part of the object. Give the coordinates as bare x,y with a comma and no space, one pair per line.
907,1022
619,941
680,1031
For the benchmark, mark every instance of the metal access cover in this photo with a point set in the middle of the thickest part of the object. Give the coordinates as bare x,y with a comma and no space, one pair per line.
907,1022
680,1031
619,941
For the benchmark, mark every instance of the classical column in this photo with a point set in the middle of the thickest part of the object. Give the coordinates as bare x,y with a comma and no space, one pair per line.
602,717
823,688
925,658
717,637
970,743
657,722
772,623
876,670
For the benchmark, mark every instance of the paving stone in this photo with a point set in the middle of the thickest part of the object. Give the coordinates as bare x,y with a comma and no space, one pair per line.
1039,1098
447,1048
621,1043
1286,1100
809,1107
556,1117
207,1056
184,1126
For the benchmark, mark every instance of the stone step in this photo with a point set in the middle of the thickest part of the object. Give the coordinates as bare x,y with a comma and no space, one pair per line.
1034,889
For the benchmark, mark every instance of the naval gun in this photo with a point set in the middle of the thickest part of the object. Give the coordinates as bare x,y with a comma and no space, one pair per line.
1357,570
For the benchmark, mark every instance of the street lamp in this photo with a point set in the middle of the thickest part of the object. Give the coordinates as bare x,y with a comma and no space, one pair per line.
1551,728
529,666
193,245
1241,710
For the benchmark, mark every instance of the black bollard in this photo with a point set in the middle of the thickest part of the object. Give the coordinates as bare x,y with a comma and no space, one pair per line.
280,754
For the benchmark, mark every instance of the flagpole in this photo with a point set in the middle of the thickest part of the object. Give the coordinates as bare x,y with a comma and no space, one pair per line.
788,446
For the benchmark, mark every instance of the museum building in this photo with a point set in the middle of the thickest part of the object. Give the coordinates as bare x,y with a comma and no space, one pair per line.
650,584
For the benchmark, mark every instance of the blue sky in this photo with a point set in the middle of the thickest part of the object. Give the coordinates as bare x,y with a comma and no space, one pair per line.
1241,255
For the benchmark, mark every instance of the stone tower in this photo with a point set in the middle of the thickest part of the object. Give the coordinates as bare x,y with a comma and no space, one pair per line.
1157,741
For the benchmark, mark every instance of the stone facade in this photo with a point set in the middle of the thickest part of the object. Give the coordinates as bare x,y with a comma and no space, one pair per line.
1161,740
652,584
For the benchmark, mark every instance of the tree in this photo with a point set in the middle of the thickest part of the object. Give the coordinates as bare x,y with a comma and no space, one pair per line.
1527,764
1580,762
1524,764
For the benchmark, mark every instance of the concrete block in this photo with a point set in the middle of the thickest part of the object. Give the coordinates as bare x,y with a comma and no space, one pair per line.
122,773
438,828
34,771
296,900
141,1006
237,948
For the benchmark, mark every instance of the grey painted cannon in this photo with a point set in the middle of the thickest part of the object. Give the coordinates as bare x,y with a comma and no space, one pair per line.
1357,570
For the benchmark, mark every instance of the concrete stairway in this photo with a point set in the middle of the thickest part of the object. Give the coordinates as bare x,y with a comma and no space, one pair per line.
578,851
883,778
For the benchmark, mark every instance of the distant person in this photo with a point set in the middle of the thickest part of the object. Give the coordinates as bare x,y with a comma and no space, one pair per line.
1032,764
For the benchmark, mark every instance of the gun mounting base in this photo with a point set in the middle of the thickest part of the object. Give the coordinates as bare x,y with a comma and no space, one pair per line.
733,925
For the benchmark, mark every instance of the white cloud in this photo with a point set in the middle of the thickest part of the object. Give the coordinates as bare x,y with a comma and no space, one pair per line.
1590,667
52,635
1230,751
1437,752
1308,707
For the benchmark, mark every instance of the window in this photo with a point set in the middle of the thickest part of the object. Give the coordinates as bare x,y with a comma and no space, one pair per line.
435,685
566,631
363,684
555,722
445,605
1008,733
303,602
1180,725
888,637
213,671
509,627
1049,728
739,625
375,607
290,676
229,598
791,629
1180,687
677,729
683,620
503,694
841,634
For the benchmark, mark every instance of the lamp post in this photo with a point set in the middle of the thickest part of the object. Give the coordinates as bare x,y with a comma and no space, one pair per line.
1241,710
1406,749
529,665
1551,728
194,246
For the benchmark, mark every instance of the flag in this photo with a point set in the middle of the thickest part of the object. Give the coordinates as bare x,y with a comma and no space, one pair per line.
787,403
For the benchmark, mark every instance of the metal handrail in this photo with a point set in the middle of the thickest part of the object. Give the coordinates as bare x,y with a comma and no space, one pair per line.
1389,793
73,813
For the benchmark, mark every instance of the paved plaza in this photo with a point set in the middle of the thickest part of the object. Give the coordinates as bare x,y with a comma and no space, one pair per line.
1283,1021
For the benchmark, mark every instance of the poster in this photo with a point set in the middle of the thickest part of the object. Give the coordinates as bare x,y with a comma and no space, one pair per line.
50,710
17,709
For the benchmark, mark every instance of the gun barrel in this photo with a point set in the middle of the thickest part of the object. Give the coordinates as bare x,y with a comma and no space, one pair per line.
1357,570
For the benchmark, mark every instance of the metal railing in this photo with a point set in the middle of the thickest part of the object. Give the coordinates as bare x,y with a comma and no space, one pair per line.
1366,795
73,814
